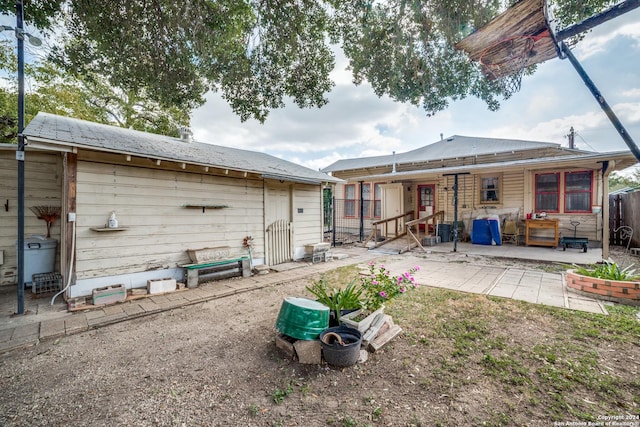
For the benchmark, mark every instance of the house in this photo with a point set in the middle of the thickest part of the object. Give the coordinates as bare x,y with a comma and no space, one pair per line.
168,195
503,177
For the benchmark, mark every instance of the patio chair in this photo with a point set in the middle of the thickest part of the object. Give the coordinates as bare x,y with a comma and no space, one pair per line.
626,233
510,232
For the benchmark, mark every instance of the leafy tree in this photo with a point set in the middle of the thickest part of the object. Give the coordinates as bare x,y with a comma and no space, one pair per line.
258,52
618,180
86,97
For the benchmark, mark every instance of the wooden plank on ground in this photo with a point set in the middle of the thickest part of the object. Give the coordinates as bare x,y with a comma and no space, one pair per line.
383,339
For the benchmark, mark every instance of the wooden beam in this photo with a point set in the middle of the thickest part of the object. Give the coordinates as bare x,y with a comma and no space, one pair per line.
70,171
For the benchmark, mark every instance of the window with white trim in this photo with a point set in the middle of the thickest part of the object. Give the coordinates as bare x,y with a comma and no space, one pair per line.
366,200
490,189
350,200
377,200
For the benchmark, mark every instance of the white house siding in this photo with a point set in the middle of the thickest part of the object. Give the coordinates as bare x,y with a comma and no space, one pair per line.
43,186
150,204
517,195
307,216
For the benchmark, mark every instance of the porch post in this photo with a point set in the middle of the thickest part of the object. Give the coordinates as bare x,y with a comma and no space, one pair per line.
607,165
70,184
455,207
361,212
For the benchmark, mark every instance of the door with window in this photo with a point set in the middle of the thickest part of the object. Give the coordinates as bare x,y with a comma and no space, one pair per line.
426,201
392,204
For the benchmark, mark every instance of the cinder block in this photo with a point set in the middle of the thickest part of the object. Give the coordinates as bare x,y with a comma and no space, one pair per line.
430,240
180,285
159,286
308,352
76,302
138,291
261,269
109,294
285,345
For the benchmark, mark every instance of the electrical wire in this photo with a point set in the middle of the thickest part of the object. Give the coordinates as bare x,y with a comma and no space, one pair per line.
73,250
583,140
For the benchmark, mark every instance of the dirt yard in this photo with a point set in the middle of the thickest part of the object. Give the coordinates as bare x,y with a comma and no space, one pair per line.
216,364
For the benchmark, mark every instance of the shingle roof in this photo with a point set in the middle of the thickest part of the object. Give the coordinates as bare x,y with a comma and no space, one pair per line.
450,148
80,133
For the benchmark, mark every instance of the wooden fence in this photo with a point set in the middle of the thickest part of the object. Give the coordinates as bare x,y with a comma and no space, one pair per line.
621,212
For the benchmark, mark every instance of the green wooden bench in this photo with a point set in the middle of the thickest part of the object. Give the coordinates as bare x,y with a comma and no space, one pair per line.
214,270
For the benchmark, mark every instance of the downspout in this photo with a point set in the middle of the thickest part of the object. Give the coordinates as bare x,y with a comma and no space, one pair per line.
361,212
607,166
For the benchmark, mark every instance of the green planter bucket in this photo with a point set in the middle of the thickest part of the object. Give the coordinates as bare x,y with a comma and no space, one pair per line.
302,318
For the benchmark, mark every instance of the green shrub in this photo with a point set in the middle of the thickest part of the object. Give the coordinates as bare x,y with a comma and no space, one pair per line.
608,271
337,299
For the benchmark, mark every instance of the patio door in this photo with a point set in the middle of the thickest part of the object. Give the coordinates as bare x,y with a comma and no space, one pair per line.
426,201
392,204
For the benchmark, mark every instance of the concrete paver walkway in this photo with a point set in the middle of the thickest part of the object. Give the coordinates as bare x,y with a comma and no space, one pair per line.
44,321
533,286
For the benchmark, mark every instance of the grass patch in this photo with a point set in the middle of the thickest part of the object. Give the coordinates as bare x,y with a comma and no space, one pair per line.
562,364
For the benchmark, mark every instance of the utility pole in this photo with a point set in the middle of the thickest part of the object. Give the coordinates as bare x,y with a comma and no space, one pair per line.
20,36
571,137
20,155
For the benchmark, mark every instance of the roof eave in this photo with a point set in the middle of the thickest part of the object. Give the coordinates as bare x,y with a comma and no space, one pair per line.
44,144
625,158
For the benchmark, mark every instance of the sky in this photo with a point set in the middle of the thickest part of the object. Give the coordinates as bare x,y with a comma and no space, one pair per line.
357,123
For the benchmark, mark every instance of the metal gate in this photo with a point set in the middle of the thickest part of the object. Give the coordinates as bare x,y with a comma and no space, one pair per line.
279,242
347,225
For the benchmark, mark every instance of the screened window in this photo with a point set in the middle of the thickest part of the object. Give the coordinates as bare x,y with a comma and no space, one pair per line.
577,191
377,200
547,192
366,200
490,189
350,200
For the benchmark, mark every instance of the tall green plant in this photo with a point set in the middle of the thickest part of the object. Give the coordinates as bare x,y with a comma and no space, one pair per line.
609,271
337,299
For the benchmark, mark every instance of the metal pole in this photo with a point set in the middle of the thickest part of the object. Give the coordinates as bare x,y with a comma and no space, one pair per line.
361,212
455,213
603,103
20,154
455,207
613,12
333,225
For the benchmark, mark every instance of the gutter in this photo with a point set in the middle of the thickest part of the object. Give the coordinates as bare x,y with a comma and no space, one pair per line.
513,165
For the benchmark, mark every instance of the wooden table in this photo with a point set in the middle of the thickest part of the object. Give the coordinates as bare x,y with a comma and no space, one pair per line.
541,224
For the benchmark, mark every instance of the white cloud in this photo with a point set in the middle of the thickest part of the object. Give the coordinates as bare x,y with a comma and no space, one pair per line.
632,93
595,44
358,123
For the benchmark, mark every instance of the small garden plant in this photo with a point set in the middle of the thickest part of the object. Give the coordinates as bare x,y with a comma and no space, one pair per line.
380,287
337,299
370,291
609,271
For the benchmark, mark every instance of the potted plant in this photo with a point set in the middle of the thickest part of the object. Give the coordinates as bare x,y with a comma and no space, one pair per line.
378,288
607,281
339,301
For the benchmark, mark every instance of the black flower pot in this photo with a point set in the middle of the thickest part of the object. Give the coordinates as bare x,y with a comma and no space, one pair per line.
341,345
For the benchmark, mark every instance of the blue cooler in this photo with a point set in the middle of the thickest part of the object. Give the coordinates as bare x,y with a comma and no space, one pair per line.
486,232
